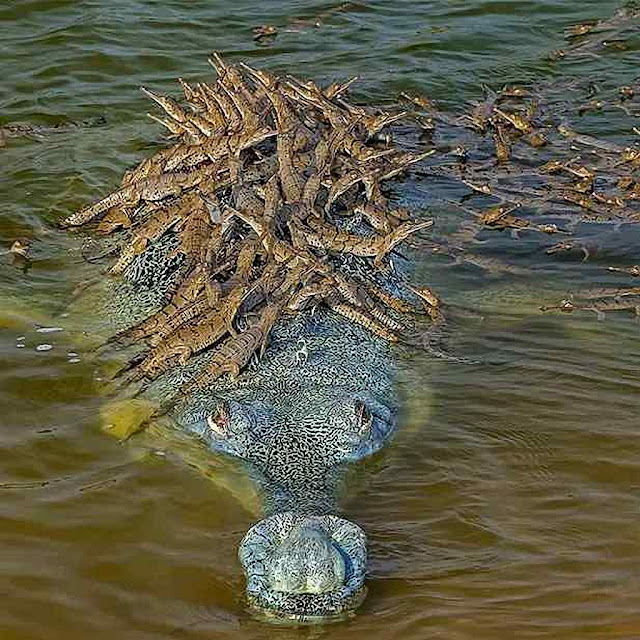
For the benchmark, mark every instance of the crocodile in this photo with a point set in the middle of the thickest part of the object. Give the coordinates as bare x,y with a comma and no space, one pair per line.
255,289
257,308
26,130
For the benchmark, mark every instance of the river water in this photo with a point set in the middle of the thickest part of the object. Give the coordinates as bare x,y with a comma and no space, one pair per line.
508,506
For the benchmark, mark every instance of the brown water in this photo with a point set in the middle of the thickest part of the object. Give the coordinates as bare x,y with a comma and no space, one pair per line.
508,506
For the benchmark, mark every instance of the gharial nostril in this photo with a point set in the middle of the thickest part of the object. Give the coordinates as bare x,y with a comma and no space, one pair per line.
308,561
304,567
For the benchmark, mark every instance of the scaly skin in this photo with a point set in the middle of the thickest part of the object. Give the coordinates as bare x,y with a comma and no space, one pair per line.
334,115
302,418
336,89
191,94
195,125
291,181
195,231
232,78
216,149
233,355
501,142
272,264
517,121
151,166
150,189
149,231
213,111
393,302
19,130
272,200
600,306
174,127
116,218
166,324
232,115
364,319
326,236
286,119
376,123
180,346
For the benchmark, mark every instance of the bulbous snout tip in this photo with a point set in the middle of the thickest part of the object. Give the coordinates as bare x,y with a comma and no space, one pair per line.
304,568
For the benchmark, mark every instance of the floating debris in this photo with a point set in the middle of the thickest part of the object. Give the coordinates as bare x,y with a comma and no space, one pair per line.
44,347
49,329
265,31
20,247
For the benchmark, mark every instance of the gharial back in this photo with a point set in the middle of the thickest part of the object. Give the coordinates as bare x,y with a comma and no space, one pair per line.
324,392
268,206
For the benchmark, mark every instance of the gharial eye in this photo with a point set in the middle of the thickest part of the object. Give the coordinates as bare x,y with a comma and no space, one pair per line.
364,418
218,420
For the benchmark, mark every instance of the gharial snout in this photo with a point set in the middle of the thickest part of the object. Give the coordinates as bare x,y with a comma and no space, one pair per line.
307,561
304,568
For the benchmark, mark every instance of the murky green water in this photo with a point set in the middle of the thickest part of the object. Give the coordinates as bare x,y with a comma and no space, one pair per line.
509,504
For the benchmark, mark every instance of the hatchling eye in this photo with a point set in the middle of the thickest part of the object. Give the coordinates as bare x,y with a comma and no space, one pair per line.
364,417
218,420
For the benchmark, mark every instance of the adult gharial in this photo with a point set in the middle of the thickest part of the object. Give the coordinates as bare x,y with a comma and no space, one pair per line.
263,232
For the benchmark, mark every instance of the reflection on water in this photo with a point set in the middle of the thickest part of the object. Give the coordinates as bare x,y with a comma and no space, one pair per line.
508,504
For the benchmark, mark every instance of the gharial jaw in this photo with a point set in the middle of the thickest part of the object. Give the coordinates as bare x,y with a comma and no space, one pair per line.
304,568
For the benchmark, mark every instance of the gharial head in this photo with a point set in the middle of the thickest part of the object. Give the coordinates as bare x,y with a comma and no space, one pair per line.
304,568
301,564
337,428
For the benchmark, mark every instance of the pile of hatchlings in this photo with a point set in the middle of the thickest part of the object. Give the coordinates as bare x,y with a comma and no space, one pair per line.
271,185
274,190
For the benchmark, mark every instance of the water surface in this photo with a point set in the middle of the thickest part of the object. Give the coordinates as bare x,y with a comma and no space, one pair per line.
507,506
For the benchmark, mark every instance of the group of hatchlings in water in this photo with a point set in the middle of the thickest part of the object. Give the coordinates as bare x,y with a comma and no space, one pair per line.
268,189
